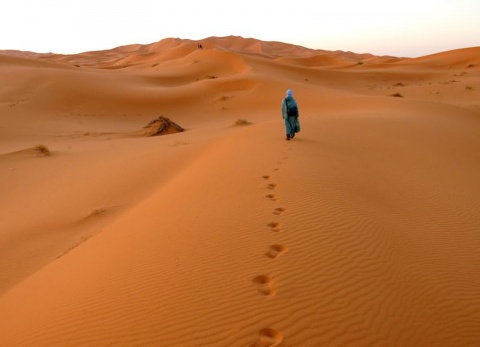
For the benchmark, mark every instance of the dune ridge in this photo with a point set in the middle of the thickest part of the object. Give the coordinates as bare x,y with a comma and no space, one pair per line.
362,230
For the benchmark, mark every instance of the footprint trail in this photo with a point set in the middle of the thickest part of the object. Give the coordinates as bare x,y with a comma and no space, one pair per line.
264,284
276,250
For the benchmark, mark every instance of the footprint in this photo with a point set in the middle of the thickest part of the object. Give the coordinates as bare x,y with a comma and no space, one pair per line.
268,337
278,210
264,285
271,197
271,186
276,251
266,177
274,226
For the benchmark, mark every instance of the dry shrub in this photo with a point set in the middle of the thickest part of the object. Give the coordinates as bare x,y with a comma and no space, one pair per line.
161,126
207,77
42,150
241,122
397,95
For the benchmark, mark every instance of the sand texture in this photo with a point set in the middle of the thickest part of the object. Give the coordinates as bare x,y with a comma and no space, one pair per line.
363,230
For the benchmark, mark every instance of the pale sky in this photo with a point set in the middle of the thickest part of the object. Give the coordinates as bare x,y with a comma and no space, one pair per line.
407,28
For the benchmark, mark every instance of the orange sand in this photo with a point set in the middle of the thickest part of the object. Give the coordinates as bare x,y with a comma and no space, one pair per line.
362,231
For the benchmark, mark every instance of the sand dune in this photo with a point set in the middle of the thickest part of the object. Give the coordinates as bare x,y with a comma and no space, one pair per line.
361,231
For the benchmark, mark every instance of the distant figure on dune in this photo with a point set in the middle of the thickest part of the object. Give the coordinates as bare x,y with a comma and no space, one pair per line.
290,115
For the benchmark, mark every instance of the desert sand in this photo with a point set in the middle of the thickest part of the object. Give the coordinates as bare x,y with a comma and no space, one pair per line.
364,230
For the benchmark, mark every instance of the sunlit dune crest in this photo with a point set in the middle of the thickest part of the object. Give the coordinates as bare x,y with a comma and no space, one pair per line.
360,231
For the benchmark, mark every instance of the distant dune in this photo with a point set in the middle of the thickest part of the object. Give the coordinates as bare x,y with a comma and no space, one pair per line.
361,231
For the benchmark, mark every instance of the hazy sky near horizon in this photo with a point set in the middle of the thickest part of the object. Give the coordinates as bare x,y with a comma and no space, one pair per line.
408,28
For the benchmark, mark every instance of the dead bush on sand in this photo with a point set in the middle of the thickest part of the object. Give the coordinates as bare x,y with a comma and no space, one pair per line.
42,150
225,98
161,126
397,95
241,122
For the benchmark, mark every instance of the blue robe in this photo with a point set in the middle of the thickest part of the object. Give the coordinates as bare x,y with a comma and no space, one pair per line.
292,125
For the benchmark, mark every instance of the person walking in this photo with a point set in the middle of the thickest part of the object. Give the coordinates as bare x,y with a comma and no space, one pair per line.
290,115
